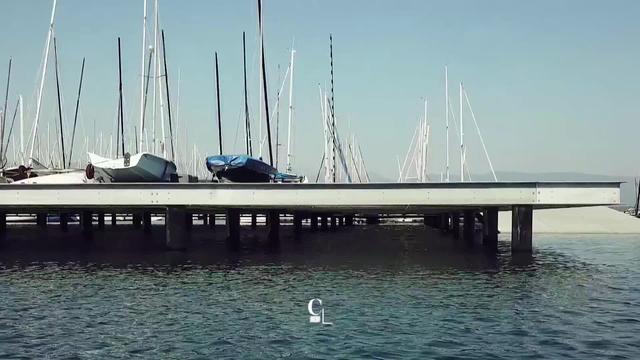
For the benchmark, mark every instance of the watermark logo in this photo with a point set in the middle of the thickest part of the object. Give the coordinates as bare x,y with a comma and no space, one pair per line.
316,312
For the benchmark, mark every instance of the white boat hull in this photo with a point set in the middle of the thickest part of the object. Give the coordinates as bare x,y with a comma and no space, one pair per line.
142,167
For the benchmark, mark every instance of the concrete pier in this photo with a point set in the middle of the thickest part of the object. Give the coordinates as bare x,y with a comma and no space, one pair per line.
371,201
86,221
490,238
100,215
297,223
522,228
64,221
175,228
313,222
274,227
233,228
146,221
469,226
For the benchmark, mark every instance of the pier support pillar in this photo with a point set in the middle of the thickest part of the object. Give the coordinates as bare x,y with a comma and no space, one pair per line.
3,222
341,221
373,220
233,228
297,223
212,221
175,230
188,220
41,220
86,221
274,227
348,220
205,219
64,221
444,222
136,219
113,219
522,228
146,221
455,224
490,239
333,223
254,220
100,220
469,226
324,225
313,222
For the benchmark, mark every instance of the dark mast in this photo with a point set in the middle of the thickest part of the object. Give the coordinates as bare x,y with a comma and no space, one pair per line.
247,122
166,83
75,117
121,113
264,82
4,114
333,114
218,101
55,56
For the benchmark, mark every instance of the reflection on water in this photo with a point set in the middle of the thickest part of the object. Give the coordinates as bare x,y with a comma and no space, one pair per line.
391,292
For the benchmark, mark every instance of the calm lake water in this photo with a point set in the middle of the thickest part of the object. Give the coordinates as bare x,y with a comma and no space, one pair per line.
390,292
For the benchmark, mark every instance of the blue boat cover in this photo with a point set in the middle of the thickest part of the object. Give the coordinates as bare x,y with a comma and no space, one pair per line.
240,168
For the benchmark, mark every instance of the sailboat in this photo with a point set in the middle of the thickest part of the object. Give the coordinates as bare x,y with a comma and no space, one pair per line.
140,167
246,168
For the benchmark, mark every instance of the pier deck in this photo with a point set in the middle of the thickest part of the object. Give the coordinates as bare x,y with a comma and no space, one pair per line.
444,205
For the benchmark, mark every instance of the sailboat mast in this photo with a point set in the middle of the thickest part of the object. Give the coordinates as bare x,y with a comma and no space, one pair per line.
5,111
260,80
446,112
155,77
293,52
55,56
218,102
75,117
21,129
264,83
121,113
44,72
333,114
461,140
166,83
142,77
247,125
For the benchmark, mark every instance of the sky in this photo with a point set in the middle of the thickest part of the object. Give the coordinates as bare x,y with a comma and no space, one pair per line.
553,83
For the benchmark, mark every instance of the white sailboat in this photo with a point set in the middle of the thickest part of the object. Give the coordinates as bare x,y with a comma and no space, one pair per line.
141,167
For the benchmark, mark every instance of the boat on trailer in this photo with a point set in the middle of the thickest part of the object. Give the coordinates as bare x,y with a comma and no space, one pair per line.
141,167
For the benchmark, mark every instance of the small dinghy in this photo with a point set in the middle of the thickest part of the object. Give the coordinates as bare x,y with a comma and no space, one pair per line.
142,167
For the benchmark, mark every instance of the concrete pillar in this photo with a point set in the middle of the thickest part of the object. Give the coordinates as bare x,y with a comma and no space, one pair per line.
341,221
444,222
175,230
136,219
373,220
188,220
113,219
274,226
348,220
212,221
64,221
297,223
455,224
469,226
522,228
490,240
254,220
41,220
3,222
205,219
86,221
233,228
100,220
323,223
313,222
146,221
333,223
